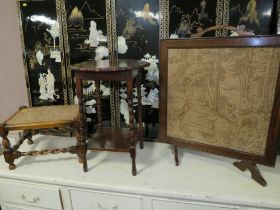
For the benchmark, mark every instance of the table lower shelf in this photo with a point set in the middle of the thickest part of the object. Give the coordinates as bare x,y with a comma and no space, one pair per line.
111,139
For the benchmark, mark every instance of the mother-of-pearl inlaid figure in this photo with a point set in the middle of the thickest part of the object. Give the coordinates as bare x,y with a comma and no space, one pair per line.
43,86
93,35
50,84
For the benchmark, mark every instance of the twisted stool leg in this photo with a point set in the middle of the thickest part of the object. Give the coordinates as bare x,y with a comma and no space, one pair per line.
8,153
27,134
30,141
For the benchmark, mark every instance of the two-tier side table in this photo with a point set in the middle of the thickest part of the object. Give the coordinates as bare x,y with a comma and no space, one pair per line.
112,138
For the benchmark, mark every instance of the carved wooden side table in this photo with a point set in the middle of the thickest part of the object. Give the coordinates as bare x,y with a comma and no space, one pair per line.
110,139
37,118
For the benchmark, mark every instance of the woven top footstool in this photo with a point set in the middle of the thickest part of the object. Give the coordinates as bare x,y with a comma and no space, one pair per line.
30,119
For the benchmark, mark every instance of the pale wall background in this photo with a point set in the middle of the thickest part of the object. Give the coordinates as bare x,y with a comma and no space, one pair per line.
13,91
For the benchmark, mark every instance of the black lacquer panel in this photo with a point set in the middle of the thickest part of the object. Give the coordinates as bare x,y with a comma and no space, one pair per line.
43,56
255,15
138,22
79,14
187,17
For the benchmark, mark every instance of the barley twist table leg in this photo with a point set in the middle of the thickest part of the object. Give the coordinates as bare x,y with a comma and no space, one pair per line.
98,105
131,125
140,128
81,135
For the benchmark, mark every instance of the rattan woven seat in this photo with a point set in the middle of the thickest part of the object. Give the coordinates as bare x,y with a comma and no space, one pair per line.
43,117
29,119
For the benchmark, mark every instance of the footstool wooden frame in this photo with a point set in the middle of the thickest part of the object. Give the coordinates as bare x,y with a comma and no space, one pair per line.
36,118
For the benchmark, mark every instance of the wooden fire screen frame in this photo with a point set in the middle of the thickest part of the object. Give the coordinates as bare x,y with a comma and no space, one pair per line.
222,95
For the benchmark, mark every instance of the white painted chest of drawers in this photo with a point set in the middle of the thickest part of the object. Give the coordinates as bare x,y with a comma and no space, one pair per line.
201,182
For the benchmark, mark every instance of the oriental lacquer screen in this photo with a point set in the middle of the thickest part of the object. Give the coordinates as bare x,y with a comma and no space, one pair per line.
222,98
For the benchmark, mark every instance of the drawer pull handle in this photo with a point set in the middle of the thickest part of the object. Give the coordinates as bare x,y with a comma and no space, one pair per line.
30,199
114,208
104,208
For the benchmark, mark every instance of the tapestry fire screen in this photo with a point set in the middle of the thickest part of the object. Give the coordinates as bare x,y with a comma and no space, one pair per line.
221,95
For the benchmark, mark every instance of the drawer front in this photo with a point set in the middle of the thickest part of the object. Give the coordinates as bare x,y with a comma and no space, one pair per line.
21,207
172,205
93,200
32,195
